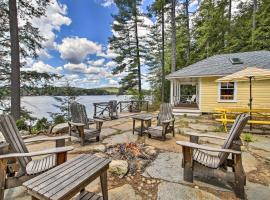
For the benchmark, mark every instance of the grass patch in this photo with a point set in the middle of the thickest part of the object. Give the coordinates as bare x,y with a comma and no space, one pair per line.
219,129
248,137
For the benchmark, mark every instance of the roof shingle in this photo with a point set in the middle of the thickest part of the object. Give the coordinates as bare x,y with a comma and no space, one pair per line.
220,65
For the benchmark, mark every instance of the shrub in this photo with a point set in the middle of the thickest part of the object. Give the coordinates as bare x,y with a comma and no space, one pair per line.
58,119
42,124
21,124
248,137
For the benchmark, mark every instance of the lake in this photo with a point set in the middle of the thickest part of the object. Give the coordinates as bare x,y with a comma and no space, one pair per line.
40,106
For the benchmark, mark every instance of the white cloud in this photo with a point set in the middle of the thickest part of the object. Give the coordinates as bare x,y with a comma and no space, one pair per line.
107,3
110,64
75,49
107,53
85,69
53,19
113,82
43,68
97,63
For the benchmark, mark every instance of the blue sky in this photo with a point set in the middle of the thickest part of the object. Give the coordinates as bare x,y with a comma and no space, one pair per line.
76,46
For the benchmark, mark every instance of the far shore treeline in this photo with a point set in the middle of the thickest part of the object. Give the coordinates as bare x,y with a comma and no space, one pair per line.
62,91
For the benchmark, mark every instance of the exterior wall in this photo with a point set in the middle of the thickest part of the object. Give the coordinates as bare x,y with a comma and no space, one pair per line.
209,99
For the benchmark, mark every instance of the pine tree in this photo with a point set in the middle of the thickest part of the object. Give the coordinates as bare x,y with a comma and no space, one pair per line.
126,42
19,42
210,27
262,32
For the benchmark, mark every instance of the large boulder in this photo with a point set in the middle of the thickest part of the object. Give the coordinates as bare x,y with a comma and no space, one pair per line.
119,167
62,128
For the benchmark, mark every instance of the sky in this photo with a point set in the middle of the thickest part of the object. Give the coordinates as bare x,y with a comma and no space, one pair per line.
76,46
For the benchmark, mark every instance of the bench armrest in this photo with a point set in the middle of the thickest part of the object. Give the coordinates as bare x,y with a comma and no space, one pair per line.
206,135
206,148
76,124
37,153
98,120
30,140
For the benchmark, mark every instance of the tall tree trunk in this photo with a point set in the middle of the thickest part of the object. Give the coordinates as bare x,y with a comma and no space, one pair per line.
15,60
188,31
173,4
163,55
255,5
138,52
230,14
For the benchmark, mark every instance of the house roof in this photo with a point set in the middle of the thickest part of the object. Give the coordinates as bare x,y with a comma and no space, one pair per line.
221,65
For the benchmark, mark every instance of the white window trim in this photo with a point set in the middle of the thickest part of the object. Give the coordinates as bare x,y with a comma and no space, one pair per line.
227,101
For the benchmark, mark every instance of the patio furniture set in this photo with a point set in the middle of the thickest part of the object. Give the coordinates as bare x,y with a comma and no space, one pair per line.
53,177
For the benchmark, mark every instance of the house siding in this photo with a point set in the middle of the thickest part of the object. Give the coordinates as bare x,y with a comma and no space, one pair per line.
209,95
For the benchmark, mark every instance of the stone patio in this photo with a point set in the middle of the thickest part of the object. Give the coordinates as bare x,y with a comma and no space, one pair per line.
162,178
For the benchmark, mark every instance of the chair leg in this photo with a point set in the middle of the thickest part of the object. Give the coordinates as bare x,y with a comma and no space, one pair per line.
104,185
188,164
240,177
3,167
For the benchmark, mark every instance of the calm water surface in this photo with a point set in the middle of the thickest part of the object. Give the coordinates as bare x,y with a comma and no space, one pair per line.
41,106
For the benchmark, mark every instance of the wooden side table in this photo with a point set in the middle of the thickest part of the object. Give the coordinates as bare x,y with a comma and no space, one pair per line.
66,180
144,118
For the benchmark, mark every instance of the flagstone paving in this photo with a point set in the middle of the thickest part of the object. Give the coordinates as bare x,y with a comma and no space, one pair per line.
172,191
120,138
167,166
162,179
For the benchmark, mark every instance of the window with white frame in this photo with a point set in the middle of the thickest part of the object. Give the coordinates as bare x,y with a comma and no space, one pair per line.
227,91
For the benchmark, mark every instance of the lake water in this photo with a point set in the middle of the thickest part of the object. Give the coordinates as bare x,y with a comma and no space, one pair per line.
40,106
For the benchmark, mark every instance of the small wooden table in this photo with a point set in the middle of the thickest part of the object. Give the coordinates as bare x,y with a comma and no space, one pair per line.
144,118
66,180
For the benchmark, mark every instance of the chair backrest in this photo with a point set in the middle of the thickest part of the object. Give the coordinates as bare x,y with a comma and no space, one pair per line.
193,98
234,134
165,112
13,137
78,113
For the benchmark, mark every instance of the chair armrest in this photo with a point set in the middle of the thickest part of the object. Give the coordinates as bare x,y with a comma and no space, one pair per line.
38,153
206,135
206,148
76,124
29,140
98,120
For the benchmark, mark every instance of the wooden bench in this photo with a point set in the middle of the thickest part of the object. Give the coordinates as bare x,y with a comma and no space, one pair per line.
66,180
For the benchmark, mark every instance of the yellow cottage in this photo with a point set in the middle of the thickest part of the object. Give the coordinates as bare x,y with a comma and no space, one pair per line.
207,94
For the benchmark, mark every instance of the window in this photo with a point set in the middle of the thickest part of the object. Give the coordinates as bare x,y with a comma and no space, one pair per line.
227,91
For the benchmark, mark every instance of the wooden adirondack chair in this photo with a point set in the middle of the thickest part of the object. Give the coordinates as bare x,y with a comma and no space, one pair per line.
16,164
79,125
197,161
165,122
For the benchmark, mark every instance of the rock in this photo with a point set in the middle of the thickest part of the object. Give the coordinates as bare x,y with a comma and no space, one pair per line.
249,162
124,192
167,166
60,128
19,193
257,191
141,164
119,167
126,137
24,132
98,148
139,188
148,182
172,191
